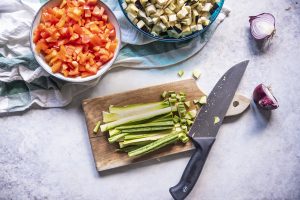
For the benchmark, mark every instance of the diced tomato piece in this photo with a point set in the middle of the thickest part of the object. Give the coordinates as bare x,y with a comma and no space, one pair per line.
85,39
36,36
112,34
61,22
74,72
98,11
104,18
110,26
94,28
74,37
82,68
56,67
77,29
112,47
87,13
97,41
104,58
91,2
63,3
41,46
86,74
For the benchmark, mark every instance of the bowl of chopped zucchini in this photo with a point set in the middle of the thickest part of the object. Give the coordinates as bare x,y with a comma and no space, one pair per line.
171,20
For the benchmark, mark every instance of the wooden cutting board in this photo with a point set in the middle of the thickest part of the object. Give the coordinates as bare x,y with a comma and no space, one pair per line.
104,153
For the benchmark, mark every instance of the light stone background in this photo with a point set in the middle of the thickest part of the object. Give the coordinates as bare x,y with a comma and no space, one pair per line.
45,154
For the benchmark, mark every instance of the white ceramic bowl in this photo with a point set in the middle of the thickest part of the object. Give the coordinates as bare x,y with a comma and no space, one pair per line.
40,58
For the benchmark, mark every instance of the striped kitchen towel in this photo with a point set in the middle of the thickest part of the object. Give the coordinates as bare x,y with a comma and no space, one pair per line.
24,83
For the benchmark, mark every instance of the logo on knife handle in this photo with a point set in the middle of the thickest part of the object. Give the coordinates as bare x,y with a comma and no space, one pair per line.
184,189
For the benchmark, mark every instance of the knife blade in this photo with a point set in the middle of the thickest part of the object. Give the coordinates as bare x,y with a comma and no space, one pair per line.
205,129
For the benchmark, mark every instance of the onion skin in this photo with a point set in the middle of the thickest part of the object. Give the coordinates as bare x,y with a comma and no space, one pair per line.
264,98
257,30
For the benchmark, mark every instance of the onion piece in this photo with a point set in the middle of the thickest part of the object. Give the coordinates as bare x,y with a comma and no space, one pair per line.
262,26
264,98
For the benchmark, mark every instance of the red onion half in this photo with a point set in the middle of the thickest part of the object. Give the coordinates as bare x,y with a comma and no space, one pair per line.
262,26
264,98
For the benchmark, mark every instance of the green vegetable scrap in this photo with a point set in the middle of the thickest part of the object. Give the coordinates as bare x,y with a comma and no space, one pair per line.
96,129
196,74
216,119
180,73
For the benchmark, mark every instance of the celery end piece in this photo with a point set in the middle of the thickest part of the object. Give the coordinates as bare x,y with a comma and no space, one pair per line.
203,100
96,129
180,73
216,119
196,74
187,104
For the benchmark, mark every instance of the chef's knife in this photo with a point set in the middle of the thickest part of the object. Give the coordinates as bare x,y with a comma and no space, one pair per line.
206,125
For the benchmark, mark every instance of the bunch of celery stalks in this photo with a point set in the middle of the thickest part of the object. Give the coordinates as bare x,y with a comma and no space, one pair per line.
143,128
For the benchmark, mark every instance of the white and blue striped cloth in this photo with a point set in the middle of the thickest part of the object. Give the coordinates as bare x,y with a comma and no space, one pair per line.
24,83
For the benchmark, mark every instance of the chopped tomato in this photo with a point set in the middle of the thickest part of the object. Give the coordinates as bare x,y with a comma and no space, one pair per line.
98,12
75,38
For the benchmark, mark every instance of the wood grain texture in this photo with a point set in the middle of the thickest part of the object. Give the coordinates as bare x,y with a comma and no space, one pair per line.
104,153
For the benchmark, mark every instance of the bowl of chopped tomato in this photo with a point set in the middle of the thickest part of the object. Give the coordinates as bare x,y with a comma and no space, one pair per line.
75,40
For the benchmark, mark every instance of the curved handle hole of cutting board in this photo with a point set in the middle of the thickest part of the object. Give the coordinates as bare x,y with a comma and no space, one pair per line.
235,104
238,105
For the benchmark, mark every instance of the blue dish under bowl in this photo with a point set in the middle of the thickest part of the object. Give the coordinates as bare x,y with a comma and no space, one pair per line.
166,38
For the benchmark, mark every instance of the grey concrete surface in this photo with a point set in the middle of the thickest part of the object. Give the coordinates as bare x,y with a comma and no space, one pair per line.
45,154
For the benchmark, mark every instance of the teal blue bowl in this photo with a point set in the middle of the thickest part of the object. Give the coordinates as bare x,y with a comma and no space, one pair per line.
214,14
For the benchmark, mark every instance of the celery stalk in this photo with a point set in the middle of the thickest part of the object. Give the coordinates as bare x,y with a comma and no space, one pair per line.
154,124
114,132
142,143
117,138
135,118
171,138
138,108
147,129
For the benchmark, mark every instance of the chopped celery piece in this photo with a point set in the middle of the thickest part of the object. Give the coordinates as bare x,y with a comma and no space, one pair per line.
135,118
164,94
173,95
184,128
171,138
177,125
171,92
216,119
192,113
163,118
171,100
187,104
117,137
196,74
154,124
129,148
143,143
185,139
189,122
176,118
114,132
138,108
110,117
180,73
139,140
203,100
182,94
147,129
96,129
187,116
196,101
182,121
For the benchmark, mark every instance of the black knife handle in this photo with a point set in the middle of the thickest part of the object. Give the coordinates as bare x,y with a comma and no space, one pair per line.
192,170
